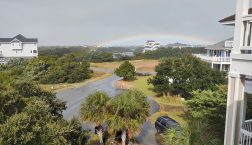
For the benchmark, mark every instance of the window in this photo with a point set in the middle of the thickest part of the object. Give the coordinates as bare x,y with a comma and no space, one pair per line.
34,51
12,44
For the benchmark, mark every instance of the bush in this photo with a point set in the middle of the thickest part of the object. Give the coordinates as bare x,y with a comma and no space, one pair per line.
67,69
209,105
196,133
126,70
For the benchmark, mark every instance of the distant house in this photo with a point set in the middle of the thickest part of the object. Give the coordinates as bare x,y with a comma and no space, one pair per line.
178,45
181,45
18,47
122,55
151,45
218,55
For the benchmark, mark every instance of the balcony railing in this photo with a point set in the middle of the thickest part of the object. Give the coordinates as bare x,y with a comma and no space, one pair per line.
246,133
213,58
3,60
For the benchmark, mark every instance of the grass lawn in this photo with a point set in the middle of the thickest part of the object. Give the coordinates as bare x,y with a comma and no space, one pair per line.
59,87
141,65
141,84
168,100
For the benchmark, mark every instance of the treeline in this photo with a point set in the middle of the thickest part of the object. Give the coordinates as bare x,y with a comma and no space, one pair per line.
50,69
106,54
168,52
60,51
85,53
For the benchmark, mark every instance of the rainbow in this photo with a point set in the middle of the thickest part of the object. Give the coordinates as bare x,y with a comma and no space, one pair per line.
161,37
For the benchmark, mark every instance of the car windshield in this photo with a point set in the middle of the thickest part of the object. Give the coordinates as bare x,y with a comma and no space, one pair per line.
169,123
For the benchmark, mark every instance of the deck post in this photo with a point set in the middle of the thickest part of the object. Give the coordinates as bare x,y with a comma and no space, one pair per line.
235,109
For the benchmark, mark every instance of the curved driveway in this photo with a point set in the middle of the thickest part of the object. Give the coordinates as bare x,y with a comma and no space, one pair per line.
73,98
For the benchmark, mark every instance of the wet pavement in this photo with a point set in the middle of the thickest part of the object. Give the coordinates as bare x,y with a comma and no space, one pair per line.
75,96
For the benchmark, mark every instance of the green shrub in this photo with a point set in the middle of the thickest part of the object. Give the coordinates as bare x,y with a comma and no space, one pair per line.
126,70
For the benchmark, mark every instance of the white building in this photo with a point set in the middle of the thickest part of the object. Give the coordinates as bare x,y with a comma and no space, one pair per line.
18,47
218,55
238,121
151,45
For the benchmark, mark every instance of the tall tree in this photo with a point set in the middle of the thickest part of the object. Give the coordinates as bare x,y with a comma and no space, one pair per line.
94,109
128,111
126,70
185,74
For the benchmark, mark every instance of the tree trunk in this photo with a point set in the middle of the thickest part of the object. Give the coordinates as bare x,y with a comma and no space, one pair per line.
100,135
124,135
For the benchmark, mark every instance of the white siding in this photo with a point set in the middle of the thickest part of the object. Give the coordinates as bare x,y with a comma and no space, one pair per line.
18,49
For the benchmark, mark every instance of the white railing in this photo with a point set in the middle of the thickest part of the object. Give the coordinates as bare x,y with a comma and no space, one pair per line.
246,133
229,44
213,58
247,39
4,60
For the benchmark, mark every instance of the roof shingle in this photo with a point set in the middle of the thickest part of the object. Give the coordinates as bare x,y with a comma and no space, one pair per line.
232,18
20,38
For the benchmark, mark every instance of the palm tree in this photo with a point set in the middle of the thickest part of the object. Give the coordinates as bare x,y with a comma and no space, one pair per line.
128,111
94,109
196,133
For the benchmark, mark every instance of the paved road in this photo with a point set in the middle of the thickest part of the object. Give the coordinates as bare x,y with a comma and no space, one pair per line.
148,131
73,97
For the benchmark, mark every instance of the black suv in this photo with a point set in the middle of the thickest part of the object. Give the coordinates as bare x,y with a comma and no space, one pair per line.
164,122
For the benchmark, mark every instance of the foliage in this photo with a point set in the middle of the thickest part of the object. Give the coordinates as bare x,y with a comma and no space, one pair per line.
29,115
61,51
104,54
196,133
69,68
35,125
14,96
126,70
100,56
184,74
249,106
128,111
95,109
96,103
209,105
168,52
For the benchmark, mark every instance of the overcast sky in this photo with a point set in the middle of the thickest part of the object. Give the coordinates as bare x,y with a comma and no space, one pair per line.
115,22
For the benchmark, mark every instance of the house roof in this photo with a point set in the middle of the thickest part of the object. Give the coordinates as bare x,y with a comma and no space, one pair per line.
20,38
220,45
232,18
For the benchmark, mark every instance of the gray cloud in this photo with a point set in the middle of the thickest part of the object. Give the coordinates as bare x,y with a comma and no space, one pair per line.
65,22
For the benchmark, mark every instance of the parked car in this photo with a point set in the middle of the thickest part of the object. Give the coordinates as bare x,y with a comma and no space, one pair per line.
164,122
